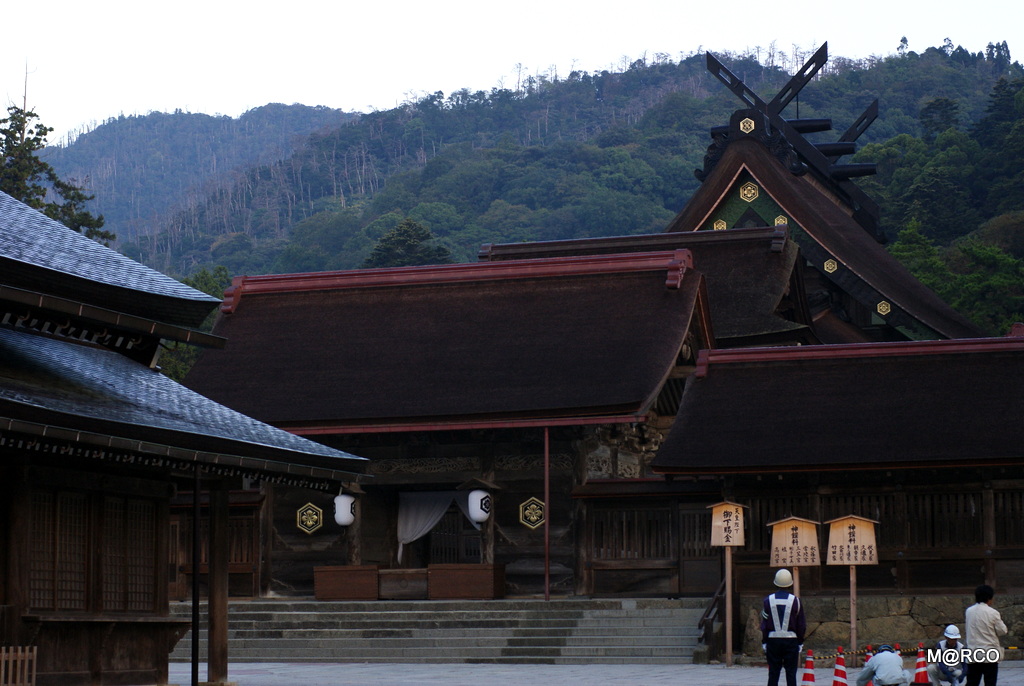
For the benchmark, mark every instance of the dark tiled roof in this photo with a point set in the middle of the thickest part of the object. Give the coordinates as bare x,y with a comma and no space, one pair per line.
748,273
463,347
67,386
849,407
866,270
42,255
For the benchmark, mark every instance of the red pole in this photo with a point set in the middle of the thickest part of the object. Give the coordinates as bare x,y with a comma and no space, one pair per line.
547,515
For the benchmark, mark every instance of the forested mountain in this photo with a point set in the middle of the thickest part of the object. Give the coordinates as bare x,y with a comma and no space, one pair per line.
142,168
607,153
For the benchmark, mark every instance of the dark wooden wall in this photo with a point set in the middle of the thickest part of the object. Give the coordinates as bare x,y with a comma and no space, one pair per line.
939,530
85,569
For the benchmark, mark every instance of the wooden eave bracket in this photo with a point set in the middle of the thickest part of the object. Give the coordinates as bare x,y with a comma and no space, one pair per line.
779,237
702,363
232,294
682,260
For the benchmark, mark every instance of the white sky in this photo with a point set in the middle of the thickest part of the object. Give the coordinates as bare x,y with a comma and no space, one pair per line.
87,62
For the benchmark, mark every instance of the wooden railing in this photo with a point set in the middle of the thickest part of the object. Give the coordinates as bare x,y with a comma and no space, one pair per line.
706,625
17,666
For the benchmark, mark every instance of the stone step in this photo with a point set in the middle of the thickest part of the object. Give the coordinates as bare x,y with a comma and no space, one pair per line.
506,631
387,634
463,654
422,638
482,624
305,604
434,618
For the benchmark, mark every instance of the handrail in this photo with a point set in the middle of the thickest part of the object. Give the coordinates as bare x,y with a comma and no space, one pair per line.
706,625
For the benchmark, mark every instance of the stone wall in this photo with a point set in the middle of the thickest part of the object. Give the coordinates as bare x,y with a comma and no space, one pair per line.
883,619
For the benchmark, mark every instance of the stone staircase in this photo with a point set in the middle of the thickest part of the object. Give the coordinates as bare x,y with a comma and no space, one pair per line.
570,631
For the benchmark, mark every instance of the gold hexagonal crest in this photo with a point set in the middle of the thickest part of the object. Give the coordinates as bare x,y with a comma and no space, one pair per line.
747,125
781,219
831,266
309,518
749,191
720,225
884,308
531,513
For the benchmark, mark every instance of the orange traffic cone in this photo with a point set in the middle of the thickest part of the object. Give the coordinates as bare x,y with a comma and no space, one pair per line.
867,656
921,671
839,675
808,677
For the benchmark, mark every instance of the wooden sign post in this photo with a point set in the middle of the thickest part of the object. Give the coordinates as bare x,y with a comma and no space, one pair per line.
851,541
795,544
727,531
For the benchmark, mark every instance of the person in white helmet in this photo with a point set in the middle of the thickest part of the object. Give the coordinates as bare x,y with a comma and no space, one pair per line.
951,668
885,668
782,630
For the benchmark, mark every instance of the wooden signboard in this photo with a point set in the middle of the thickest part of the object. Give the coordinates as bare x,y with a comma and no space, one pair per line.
727,524
727,532
794,543
851,541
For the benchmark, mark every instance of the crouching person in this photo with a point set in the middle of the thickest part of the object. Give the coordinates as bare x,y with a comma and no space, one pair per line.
950,669
885,667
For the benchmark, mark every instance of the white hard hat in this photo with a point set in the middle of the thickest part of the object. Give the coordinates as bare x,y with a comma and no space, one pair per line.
952,632
783,579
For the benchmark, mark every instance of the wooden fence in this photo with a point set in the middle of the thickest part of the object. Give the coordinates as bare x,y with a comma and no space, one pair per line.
17,666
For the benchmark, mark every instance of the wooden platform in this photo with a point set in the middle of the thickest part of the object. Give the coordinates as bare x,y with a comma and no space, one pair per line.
435,582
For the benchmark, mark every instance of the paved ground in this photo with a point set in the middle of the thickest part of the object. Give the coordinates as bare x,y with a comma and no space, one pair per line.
322,674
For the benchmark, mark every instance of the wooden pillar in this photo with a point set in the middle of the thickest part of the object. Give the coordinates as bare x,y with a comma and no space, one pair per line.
988,507
487,536
197,554
853,609
487,530
547,514
266,568
217,651
17,497
354,533
728,606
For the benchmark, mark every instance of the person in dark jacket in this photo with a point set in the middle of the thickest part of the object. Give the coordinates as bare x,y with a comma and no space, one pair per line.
782,630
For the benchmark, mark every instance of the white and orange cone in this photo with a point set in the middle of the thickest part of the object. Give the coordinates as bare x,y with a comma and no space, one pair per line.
921,671
808,677
839,675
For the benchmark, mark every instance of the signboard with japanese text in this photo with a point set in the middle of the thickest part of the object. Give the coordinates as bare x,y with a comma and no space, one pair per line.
851,541
727,524
794,543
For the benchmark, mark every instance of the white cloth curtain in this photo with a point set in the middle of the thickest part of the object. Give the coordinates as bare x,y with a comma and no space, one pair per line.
418,513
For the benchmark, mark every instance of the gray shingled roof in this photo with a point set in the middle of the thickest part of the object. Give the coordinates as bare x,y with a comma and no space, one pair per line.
48,381
47,256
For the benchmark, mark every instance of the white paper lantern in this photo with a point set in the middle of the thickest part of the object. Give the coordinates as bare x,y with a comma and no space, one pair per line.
479,506
344,509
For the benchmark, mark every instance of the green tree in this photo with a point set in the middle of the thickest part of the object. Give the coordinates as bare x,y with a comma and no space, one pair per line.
982,281
177,360
407,244
989,283
939,115
29,179
922,258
